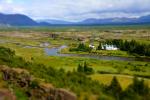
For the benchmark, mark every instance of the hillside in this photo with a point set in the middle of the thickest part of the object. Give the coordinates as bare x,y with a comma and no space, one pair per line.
124,20
35,89
18,20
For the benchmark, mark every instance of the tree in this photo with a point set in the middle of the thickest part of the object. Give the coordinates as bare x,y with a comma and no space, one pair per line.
80,68
99,46
139,87
81,47
114,88
138,90
132,46
85,69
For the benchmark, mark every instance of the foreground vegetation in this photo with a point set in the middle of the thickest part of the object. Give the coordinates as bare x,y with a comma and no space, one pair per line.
90,79
76,81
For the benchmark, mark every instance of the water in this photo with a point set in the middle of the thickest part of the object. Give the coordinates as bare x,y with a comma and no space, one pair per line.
51,52
55,52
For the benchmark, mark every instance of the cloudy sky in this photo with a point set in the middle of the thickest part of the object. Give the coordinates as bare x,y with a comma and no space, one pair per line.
75,10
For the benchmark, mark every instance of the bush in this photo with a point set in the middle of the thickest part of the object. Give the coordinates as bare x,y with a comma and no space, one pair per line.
85,69
81,47
34,84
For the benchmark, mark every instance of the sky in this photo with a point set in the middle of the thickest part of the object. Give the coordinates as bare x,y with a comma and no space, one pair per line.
76,10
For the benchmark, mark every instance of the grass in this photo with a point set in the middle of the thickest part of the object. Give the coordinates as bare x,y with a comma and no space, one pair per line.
75,28
118,53
113,53
20,95
34,36
124,80
70,63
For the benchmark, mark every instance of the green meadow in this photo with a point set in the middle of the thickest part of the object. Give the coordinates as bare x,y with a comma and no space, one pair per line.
26,41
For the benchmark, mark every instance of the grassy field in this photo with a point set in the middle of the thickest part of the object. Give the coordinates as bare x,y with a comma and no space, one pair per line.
124,80
70,63
68,36
99,52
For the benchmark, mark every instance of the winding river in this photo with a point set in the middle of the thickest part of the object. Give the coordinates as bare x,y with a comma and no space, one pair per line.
54,52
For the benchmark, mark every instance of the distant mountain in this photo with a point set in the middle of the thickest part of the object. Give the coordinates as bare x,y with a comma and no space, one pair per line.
19,20
23,20
144,19
141,20
107,21
53,21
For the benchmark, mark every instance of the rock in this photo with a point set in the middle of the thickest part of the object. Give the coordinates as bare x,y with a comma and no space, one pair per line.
66,95
36,90
6,95
17,76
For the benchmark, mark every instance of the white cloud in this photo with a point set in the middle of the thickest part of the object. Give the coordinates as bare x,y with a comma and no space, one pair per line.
76,9
9,1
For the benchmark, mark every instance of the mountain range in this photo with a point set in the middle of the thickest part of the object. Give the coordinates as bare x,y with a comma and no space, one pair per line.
19,20
109,21
54,21
23,20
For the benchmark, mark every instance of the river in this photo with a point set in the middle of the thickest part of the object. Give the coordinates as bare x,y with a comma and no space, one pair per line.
55,52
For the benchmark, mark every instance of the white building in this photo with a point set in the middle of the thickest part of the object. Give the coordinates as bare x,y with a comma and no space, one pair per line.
92,46
109,47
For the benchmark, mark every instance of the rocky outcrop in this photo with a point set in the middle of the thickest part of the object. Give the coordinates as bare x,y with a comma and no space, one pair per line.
6,95
35,90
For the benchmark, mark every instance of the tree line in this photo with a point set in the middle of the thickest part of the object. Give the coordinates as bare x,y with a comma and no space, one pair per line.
132,46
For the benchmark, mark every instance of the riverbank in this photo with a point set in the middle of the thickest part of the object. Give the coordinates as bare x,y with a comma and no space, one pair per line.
105,53
117,53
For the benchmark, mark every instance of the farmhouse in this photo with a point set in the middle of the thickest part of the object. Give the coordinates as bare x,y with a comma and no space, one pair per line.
109,47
